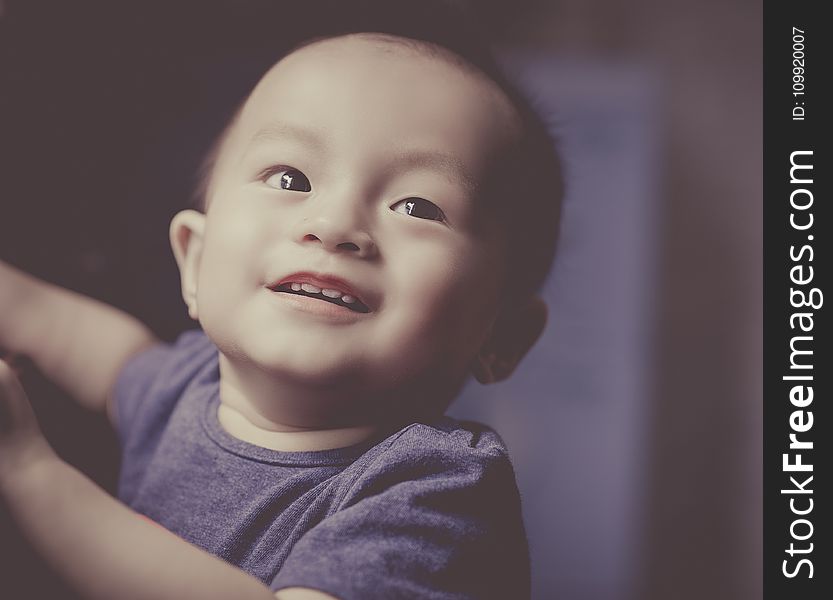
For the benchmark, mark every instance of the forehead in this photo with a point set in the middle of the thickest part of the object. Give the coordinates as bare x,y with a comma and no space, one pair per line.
354,93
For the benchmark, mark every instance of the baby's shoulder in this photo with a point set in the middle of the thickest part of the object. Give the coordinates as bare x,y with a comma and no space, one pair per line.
450,438
179,360
439,457
152,382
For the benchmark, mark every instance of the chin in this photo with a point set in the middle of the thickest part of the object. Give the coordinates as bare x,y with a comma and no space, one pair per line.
308,366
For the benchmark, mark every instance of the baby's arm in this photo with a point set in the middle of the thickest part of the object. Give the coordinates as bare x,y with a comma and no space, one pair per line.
79,343
99,546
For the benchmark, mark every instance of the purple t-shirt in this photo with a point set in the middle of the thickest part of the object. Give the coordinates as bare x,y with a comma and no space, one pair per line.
431,511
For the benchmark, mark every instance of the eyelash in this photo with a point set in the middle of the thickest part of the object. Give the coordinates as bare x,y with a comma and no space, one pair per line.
410,203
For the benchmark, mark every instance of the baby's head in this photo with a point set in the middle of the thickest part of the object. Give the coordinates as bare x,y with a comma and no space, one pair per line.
378,216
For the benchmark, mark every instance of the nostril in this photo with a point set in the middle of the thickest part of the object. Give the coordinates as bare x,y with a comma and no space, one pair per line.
362,245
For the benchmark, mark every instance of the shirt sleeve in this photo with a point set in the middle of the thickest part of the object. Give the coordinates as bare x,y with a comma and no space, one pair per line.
426,520
151,382
159,371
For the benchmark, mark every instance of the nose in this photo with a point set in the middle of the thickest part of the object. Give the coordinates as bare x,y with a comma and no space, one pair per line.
336,232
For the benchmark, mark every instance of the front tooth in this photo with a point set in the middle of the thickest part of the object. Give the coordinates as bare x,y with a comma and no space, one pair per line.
310,288
296,287
348,299
331,293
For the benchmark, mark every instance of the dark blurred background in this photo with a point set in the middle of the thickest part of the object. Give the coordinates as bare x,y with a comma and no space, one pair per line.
635,425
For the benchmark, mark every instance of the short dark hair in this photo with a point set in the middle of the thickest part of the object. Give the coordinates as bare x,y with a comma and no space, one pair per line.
527,202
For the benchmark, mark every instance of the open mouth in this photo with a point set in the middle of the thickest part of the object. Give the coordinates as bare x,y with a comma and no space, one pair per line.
326,294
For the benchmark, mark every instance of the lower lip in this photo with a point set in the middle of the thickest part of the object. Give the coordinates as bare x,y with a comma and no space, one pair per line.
315,307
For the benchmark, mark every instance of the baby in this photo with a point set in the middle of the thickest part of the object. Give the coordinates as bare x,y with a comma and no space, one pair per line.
376,219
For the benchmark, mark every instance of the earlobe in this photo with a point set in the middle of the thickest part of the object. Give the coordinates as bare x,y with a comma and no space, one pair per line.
513,334
482,368
186,233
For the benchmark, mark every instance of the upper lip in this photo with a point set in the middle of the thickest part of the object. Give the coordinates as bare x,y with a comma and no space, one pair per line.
324,280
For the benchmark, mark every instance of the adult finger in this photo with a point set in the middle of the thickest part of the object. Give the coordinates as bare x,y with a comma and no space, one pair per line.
15,410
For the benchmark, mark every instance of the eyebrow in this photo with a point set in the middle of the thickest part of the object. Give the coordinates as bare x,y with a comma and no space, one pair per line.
450,166
280,131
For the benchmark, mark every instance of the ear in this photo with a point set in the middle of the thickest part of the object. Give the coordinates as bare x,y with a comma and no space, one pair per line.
186,233
515,331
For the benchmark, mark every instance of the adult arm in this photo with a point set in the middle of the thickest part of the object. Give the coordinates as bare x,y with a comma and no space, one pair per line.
99,546
77,342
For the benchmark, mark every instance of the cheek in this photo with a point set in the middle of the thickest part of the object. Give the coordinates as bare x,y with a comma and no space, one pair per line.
230,257
445,297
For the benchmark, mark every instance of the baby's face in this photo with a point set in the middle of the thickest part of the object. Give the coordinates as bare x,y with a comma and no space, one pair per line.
344,241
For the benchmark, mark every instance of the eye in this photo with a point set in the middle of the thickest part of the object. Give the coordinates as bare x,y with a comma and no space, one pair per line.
420,208
284,178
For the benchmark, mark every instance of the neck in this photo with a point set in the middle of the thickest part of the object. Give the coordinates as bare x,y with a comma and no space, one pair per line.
288,416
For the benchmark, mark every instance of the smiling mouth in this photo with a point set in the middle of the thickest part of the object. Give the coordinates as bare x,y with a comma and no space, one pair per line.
327,295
